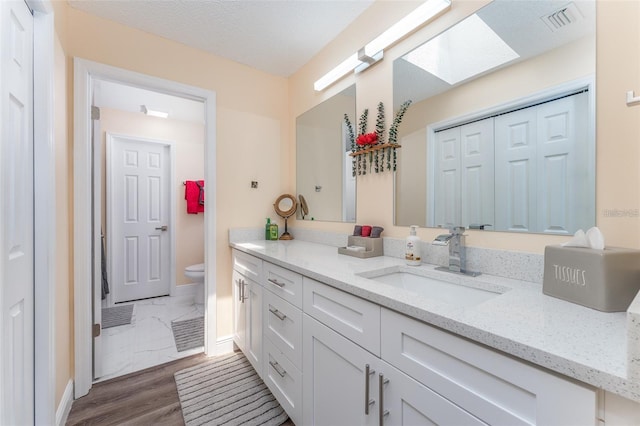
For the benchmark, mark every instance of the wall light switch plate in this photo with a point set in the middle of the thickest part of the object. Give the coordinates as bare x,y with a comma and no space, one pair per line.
254,184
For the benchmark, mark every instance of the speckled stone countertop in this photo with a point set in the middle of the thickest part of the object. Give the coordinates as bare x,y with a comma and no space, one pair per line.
575,341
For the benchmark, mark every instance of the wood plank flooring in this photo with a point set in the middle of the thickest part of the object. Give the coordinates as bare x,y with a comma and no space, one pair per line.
141,398
147,397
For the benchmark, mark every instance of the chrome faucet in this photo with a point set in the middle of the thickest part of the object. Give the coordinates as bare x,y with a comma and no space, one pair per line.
457,250
455,239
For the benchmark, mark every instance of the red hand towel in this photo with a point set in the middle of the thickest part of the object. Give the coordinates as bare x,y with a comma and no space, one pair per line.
193,196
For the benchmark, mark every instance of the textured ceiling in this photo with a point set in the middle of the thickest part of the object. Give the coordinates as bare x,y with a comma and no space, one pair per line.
276,36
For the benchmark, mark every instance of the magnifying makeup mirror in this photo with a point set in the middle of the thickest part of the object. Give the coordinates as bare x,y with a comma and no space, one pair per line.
285,206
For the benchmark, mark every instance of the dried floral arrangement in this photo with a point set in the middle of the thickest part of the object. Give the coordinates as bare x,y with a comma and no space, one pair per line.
369,150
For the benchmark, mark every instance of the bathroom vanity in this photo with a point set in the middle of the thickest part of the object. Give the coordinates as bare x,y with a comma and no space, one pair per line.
342,340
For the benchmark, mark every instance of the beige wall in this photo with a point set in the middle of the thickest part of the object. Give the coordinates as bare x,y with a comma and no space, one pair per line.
188,141
618,126
252,134
63,260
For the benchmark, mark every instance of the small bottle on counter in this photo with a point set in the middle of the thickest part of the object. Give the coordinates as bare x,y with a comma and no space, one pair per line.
267,229
412,248
273,232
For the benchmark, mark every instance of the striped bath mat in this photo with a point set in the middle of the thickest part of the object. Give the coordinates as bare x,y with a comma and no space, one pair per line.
116,315
227,391
188,334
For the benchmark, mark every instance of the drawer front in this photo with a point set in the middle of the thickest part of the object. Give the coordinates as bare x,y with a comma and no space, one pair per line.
356,319
283,326
284,380
284,283
247,265
494,387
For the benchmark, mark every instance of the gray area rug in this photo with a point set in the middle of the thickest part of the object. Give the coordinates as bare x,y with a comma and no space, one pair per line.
188,334
226,391
116,315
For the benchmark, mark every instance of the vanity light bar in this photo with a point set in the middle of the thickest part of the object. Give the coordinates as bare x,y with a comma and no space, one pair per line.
425,13
430,10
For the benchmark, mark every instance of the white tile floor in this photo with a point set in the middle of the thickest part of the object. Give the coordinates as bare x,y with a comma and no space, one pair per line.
148,340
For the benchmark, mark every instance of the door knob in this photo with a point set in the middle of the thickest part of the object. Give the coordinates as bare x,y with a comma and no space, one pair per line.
162,228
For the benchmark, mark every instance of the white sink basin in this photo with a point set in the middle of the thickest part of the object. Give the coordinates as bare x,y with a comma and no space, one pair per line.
433,288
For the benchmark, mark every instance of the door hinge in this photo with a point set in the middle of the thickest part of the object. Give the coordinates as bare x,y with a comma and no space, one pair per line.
95,113
96,330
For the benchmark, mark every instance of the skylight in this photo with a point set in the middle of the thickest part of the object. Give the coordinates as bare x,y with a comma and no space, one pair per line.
467,49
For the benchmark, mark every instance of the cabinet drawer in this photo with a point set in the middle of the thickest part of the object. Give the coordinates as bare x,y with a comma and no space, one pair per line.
283,326
284,380
284,283
247,265
355,318
492,386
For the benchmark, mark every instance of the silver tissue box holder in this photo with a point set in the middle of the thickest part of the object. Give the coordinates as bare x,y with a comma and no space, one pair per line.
606,280
372,247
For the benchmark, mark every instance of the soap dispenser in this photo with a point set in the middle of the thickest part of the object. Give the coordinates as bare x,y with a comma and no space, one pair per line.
267,229
412,248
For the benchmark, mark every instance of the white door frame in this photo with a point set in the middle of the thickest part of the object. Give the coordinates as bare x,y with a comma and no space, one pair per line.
44,214
84,74
172,203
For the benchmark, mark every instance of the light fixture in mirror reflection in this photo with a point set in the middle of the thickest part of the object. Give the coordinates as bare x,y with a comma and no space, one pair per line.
323,165
511,145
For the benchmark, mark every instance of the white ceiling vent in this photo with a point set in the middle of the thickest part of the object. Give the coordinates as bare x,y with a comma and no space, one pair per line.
562,17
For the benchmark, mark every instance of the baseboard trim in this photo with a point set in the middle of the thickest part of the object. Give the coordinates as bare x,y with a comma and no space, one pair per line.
190,289
64,408
224,345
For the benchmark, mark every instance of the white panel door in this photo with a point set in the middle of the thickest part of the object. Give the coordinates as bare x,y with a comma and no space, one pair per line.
562,149
515,186
16,215
447,179
477,173
139,218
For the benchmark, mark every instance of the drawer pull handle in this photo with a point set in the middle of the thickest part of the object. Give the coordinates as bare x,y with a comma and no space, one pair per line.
382,412
276,282
281,371
368,371
277,313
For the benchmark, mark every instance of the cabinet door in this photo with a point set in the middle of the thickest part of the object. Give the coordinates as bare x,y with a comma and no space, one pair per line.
334,380
253,332
408,403
239,311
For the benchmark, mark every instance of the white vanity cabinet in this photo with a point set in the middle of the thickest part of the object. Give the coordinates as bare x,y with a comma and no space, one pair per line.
344,384
496,388
282,328
247,307
332,358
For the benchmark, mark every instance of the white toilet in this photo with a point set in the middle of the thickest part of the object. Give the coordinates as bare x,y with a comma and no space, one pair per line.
195,273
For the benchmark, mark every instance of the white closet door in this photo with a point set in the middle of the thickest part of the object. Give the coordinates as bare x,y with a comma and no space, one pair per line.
477,179
563,177
447,193
515,186
16,215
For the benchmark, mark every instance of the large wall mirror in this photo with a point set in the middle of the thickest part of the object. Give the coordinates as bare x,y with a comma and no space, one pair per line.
323,166
501,133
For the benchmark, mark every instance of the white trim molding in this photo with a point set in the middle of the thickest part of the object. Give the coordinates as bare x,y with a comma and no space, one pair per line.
44,211
64,408
85,73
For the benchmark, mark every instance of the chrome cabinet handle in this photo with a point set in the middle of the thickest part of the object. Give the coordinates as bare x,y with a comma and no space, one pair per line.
276,282
368,371
381,411
244,289
162,228
281,371
239,291
277,313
